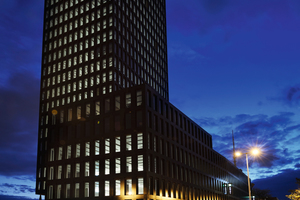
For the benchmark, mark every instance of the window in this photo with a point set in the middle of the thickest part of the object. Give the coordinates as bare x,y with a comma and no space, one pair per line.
118,144
68,186
118,166
128,142
70,114
107,146
59,172
68,156
78,112
77,170
140,163
97,189
86,189
118,187
60,151
77,151
106,188
87,149
117,103
97,147
140,187
128,187
51,155
97,171
87,169
97,108
107,166
58,193
68,171
140,141
128,164
139,98
76,190
88,110
128,100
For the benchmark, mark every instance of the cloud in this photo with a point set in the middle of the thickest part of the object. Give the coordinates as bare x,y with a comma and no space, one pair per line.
18,188
18,122
10,197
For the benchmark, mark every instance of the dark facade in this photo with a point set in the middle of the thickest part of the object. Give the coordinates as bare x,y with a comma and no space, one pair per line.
106,128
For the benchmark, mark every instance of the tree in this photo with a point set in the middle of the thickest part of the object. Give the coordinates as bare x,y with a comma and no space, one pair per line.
295,194
261,194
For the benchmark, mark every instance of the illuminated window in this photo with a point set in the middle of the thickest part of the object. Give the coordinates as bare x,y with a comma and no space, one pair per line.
68,171
68,193
97,171
139,98
140,186
68,156
97,147
140,141
128,187
77,154
118,144
128,164
106,188
140,163
107,146
118,187
59,172
107,166
51,173
51,155
76,190
77,170
58,192
128,100
87,149
88,110
128,142
60,152
97,189
86,189
118,165
50,192
87,169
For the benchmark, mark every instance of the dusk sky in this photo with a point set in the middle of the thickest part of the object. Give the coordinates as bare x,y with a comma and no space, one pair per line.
233,65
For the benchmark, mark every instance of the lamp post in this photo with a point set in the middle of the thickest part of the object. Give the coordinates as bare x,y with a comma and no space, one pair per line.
254,151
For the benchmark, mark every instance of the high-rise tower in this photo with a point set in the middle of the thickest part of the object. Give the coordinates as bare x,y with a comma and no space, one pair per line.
106,128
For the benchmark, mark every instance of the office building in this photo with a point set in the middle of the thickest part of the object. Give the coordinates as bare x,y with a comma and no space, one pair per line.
106,127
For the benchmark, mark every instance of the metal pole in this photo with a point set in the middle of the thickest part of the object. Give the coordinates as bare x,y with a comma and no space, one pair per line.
248,177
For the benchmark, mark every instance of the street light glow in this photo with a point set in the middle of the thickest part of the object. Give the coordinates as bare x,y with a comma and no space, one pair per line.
255,151
238,154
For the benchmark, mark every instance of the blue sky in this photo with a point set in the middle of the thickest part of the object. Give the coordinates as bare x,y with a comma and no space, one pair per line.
233,65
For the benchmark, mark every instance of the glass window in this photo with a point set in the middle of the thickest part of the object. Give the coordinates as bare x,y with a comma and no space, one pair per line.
107,146
60,152
107,166
70,114
68,171
118,166
140,141
68,156
106,188
88,110
97,171
76,190
128,187
140,163
97,108
77,170
118,144
87,149
97,189
140,187
68,186
117,103
77,151
139,98
59,172
78,112
97,147
118,187
128,100
128,164
86,189
128,142
87,169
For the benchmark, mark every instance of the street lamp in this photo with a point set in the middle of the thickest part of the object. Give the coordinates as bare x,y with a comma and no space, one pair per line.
255,152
